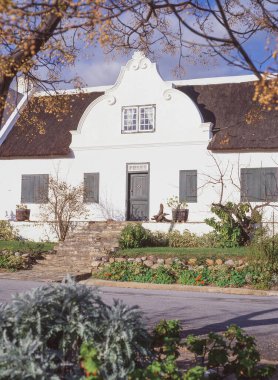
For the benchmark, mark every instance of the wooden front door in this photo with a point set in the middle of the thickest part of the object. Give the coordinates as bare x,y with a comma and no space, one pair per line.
138,196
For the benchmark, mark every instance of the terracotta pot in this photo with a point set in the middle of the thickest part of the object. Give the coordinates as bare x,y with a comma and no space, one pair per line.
22,214
180,215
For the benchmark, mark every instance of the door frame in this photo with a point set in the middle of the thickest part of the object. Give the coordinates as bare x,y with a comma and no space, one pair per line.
127,203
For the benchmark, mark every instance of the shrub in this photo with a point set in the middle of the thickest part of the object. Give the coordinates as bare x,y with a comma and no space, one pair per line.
260,275
166,337
264,248
187,239
134,236
65,204
126,271
236,223
9,261
158,239
49,324
233,353
7,232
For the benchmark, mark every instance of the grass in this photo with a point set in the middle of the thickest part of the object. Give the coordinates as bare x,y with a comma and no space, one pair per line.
25,246
184,253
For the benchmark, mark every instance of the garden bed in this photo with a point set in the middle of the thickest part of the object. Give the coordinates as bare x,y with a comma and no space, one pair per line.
16,254
196,271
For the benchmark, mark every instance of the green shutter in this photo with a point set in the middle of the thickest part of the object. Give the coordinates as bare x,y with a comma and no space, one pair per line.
91,187
188,185
270,181
27,193
41,188
259,184
34,188
251,185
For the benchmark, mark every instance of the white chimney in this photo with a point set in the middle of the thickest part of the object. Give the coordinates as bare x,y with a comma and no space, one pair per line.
24,85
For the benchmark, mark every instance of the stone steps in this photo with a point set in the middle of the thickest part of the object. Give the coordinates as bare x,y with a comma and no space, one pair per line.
76,254
96,238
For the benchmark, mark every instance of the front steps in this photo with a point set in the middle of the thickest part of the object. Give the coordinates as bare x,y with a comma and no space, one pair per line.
97,238
75,255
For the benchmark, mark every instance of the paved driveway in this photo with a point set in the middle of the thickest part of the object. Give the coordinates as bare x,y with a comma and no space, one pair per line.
198,312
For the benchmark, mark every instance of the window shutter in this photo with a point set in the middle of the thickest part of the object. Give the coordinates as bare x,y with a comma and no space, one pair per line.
91,187
251,185
41,188
34,188
270,178
188,185
27,194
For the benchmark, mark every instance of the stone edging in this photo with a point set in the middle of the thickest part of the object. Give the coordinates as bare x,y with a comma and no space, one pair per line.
177,287
154,262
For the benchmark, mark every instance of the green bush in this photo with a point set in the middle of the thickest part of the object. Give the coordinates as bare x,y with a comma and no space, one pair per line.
134,236
9,261
235,223
187,239
42,331
166,338
128,271
234,352
158,239
258,275
264,248
7,232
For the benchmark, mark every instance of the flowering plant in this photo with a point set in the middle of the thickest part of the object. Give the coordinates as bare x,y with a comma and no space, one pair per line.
175,203
21,207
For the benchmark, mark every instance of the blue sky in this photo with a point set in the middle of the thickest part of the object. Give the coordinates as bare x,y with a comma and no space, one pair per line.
102,69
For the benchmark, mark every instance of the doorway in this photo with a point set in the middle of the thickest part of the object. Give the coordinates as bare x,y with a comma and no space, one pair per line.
138,196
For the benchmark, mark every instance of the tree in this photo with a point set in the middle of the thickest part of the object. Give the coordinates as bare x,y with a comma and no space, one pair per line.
64,205
236,222
47,35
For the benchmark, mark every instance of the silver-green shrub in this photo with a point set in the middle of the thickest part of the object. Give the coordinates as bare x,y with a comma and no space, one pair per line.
7,232
52,321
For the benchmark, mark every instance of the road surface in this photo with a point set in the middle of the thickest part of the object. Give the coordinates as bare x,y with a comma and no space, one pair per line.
199,313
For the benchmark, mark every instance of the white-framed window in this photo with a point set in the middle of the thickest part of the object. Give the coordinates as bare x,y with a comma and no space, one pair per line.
138,119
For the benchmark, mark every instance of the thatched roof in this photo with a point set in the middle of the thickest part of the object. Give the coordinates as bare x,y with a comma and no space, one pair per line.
239,123
38,132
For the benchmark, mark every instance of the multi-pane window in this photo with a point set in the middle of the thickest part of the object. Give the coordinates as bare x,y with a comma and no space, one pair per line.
138,119
130,117
259,184
34,188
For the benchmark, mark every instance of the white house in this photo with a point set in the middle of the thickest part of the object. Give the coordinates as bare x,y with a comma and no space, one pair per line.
142,140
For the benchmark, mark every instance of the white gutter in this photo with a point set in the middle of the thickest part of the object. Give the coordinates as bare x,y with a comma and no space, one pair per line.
8,126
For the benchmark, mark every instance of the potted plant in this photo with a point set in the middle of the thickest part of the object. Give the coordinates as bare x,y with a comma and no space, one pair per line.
22,213
179,209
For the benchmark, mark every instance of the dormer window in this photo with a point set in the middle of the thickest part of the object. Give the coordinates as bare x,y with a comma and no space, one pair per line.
138,119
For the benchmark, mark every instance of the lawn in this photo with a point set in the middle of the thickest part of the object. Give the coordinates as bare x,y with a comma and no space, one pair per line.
25,246
184,253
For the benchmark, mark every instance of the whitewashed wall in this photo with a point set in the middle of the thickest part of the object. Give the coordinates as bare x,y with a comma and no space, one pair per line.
178,143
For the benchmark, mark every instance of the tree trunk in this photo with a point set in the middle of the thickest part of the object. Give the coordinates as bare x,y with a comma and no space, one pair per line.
5,83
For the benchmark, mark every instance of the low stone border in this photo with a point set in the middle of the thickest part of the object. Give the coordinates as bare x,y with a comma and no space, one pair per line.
177,287
155,262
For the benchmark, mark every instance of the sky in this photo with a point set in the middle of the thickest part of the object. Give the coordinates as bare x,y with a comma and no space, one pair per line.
102,69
